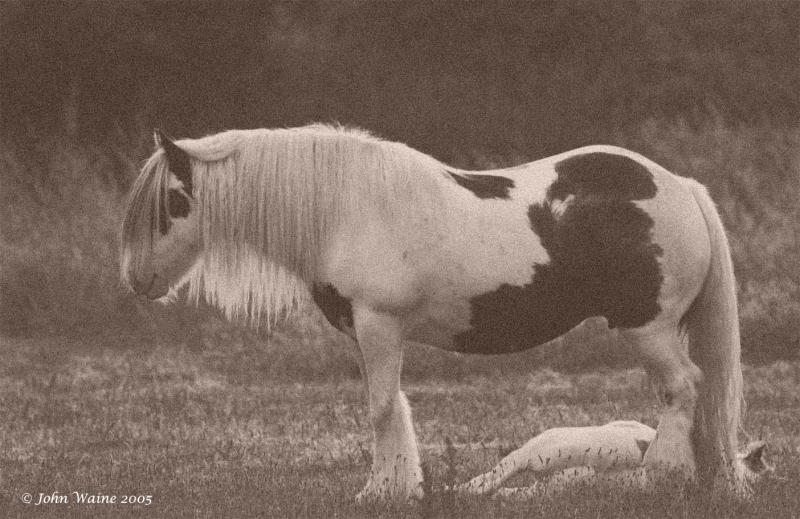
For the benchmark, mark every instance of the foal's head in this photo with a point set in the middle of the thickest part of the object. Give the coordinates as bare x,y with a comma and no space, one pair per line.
160,231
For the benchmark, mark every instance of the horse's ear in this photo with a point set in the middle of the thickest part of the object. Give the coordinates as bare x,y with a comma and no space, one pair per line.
162,140
177,159
158,138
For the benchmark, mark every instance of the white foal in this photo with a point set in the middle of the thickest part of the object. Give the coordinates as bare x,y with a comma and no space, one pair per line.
567,455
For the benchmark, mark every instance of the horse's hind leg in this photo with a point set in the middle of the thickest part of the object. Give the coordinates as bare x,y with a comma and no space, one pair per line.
666,358
396,469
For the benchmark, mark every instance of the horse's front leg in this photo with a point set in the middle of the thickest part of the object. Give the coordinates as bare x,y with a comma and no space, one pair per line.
395,471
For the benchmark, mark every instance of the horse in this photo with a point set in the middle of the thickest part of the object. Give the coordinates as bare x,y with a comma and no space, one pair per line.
611,453
392,245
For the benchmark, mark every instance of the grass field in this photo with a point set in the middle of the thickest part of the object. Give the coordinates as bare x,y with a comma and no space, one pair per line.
207,435
213,421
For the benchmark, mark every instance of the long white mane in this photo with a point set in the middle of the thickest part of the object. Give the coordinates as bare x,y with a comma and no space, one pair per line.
270,199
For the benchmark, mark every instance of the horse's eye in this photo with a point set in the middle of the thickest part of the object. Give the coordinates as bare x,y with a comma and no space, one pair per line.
178,204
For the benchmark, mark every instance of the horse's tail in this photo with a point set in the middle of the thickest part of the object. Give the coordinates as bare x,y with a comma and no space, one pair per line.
712,324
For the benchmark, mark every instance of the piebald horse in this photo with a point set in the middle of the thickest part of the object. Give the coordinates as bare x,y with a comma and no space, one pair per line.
393,245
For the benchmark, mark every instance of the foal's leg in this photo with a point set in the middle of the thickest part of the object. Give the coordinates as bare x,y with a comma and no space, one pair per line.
667,360
395,461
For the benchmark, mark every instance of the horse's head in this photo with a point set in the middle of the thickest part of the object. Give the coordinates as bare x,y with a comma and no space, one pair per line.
160,231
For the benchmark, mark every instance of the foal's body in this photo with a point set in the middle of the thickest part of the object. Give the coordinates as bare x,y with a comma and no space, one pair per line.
402,247
611,452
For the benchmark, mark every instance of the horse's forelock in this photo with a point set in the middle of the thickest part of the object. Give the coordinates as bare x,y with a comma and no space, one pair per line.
142,212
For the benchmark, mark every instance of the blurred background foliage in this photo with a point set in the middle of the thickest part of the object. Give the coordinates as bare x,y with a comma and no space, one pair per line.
709,90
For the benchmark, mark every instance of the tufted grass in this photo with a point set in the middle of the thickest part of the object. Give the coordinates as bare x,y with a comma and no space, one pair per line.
206,436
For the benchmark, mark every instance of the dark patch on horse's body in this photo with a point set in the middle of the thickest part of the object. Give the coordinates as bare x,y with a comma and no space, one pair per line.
484,186
603,175
337,310
179,164
602,260
176,206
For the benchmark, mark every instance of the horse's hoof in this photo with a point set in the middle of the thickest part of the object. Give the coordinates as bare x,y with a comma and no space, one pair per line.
371,494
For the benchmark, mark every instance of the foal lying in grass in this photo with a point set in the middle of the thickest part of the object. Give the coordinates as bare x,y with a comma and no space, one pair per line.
566,455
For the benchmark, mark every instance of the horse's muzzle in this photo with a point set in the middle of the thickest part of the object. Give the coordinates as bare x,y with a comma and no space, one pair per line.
153,288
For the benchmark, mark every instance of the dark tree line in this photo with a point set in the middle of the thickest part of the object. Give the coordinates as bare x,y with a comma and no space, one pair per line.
708,89
525,77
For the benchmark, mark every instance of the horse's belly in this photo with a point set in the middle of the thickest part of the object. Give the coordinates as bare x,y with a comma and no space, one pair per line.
502,322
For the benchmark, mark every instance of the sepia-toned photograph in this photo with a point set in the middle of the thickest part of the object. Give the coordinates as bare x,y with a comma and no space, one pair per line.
400,259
